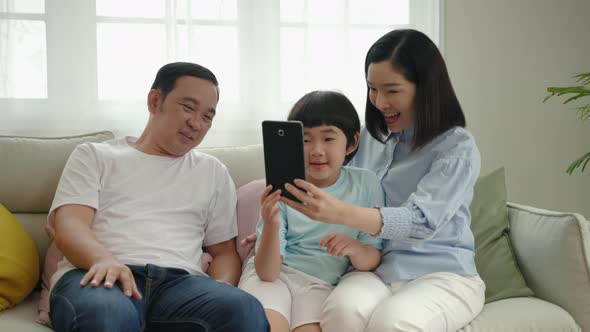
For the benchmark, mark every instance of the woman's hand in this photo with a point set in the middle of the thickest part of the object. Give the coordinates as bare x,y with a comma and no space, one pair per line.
321,206
317,204
269,209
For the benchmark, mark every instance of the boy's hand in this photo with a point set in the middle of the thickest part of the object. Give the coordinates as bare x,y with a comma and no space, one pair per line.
249,241
269,209
339,244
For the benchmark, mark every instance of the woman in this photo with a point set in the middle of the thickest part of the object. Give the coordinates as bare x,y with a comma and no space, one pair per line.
428,163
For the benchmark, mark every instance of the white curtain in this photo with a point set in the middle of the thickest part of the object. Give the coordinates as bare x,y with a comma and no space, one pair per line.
76,66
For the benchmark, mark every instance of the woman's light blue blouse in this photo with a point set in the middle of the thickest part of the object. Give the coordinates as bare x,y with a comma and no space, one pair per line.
426,218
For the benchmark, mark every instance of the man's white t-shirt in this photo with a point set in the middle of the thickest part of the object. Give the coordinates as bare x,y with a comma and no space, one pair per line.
149,209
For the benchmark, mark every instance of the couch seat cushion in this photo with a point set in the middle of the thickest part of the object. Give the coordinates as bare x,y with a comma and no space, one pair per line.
522,314
22,317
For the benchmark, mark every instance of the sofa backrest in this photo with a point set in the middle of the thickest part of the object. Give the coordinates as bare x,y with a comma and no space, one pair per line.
245,163
30,169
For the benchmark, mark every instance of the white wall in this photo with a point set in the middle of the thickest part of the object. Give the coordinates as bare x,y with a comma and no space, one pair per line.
502,55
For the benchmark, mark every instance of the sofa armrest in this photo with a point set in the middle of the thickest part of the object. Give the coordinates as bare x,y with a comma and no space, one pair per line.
552,250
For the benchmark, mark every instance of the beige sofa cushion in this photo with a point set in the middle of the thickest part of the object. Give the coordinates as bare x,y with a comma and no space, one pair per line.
522,314
22,317
554,255
514,314
245,163
31,168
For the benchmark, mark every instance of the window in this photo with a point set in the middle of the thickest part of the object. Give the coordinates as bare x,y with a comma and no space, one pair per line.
89,66
23,56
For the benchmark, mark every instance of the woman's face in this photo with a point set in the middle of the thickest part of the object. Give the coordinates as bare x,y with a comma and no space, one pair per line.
392,95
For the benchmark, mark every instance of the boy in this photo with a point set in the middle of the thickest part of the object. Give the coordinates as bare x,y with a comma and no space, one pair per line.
298,260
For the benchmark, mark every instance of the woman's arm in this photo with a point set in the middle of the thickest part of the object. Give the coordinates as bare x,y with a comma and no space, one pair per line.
321,206
439,194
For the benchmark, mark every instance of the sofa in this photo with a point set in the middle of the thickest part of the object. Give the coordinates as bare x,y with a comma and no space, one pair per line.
551,248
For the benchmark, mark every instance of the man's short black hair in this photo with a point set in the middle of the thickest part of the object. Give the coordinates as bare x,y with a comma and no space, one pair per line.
168,74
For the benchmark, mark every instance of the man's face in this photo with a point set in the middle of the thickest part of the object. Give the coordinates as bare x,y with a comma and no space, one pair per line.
182,119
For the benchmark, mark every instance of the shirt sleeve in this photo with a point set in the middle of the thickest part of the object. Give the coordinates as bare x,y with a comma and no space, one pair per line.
221,222
438,196
282,230
79,182
376,198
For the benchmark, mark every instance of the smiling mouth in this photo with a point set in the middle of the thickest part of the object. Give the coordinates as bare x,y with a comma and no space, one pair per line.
392,116
187,136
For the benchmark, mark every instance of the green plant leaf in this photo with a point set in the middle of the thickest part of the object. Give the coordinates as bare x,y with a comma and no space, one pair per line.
581,162
583,78
584,112
575,93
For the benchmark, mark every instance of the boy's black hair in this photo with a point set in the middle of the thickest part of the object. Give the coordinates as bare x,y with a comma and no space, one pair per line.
328,108
168,74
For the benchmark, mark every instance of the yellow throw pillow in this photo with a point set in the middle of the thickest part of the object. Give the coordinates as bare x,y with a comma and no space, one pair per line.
19,261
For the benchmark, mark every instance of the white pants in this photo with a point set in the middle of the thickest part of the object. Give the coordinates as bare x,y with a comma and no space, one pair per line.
435,302
295,295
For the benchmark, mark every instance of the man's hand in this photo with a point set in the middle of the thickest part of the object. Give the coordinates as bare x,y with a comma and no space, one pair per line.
110,270
339,244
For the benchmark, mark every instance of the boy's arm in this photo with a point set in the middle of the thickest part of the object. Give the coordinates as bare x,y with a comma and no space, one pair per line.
366,259
268,260
362,257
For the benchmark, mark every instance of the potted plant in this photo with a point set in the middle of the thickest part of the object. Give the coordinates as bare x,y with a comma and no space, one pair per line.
576,92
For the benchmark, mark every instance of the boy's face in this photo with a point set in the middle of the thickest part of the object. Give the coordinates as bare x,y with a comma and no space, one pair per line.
325,150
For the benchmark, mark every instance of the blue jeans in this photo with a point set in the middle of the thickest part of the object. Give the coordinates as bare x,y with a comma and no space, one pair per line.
172,300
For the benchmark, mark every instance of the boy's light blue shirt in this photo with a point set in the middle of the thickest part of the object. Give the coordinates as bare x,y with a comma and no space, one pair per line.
300,235
426,221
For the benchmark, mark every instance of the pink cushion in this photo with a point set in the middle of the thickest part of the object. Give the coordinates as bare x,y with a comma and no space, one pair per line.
248,211
52,257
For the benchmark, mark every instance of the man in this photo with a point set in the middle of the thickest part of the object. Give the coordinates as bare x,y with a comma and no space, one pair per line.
131,218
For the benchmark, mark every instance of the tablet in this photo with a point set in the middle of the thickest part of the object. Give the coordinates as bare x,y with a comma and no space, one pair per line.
284,159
